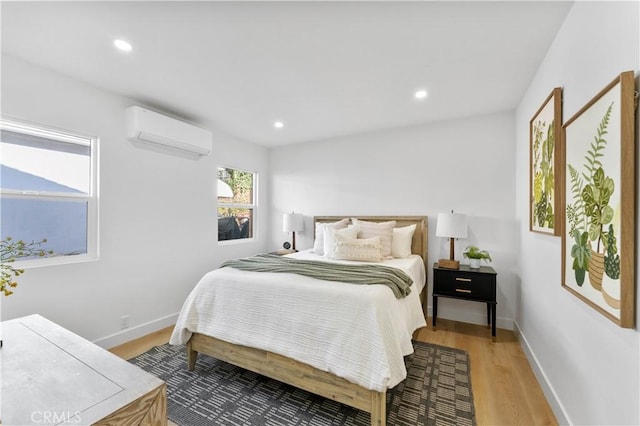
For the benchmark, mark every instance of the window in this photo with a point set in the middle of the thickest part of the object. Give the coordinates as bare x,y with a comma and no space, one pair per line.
236,204
48,191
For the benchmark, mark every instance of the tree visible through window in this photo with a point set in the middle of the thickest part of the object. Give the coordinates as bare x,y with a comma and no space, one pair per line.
236,204
47,186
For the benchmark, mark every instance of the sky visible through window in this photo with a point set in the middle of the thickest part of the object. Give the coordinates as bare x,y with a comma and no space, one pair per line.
64,168
47,189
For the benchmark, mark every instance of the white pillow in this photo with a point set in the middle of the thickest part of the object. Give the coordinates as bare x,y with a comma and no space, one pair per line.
384,230
367,250
331,236
318,244
401,242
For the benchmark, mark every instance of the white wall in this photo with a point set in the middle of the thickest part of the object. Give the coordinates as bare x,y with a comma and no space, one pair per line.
158,227
587,364
465,165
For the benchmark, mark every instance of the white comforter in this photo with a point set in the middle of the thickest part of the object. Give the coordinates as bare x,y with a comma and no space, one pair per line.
358,332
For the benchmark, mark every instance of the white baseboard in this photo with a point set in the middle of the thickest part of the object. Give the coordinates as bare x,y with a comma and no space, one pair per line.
545,384
136,332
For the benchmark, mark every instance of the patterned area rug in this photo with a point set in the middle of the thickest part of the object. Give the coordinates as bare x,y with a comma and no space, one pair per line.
437,391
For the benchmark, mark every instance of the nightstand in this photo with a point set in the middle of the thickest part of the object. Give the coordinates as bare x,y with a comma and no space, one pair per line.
476,285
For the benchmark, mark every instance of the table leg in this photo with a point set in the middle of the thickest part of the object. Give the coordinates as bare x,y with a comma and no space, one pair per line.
493,322
488,313
435,310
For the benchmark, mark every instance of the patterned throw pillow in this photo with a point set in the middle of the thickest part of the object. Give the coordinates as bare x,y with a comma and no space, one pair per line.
364,250
384,230
332,236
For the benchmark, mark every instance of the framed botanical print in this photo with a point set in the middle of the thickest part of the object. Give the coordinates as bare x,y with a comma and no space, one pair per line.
544,185
598,236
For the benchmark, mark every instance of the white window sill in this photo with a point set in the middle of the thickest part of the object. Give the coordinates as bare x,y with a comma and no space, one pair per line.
237,241
52,261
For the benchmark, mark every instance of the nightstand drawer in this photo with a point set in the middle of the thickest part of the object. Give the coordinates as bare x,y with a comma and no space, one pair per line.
465,285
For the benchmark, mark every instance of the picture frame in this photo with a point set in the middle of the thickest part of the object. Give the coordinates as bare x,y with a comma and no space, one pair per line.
598,190
545,132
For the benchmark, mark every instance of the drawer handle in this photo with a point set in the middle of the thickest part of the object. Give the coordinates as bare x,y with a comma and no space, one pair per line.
468,280
462,290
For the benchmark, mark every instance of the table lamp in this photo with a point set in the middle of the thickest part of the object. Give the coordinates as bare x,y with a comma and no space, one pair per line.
292,222
451,225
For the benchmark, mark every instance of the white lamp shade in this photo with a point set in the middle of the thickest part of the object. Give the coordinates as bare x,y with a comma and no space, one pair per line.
292,222
451,225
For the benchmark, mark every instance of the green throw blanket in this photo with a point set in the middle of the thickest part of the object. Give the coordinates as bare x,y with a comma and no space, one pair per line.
395,279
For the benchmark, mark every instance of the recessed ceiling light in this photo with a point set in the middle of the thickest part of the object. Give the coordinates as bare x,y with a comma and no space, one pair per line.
420,94
278,124
122,45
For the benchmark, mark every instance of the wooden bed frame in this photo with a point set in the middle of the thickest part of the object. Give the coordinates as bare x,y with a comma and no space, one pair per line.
302,375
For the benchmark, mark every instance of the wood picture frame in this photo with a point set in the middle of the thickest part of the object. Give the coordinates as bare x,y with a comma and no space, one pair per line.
598,189
545,132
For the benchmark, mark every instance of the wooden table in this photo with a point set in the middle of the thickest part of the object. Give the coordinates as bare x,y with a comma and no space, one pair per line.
52,376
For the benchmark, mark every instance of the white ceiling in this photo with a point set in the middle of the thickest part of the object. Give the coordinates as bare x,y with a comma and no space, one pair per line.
326,69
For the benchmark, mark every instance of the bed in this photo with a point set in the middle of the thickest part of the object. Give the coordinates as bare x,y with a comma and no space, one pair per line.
298,334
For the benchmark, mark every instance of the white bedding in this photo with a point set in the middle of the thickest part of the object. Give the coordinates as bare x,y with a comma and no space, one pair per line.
358,332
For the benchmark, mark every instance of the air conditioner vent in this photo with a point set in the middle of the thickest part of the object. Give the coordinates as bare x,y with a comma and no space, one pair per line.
161,131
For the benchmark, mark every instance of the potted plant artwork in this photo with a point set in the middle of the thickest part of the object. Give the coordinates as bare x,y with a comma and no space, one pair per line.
545,133
543,180
599,192
594,250
475,255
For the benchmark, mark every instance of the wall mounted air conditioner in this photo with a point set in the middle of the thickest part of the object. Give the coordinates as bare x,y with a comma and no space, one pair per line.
166,133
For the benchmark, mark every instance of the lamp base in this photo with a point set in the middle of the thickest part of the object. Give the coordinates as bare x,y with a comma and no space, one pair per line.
448,264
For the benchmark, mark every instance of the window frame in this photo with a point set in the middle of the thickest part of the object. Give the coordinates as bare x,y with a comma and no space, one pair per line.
254,206
91,198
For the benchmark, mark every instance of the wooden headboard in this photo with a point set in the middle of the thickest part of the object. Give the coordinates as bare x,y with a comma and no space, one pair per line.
418,244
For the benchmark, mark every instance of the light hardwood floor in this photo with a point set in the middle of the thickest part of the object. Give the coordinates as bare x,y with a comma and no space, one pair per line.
505,390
